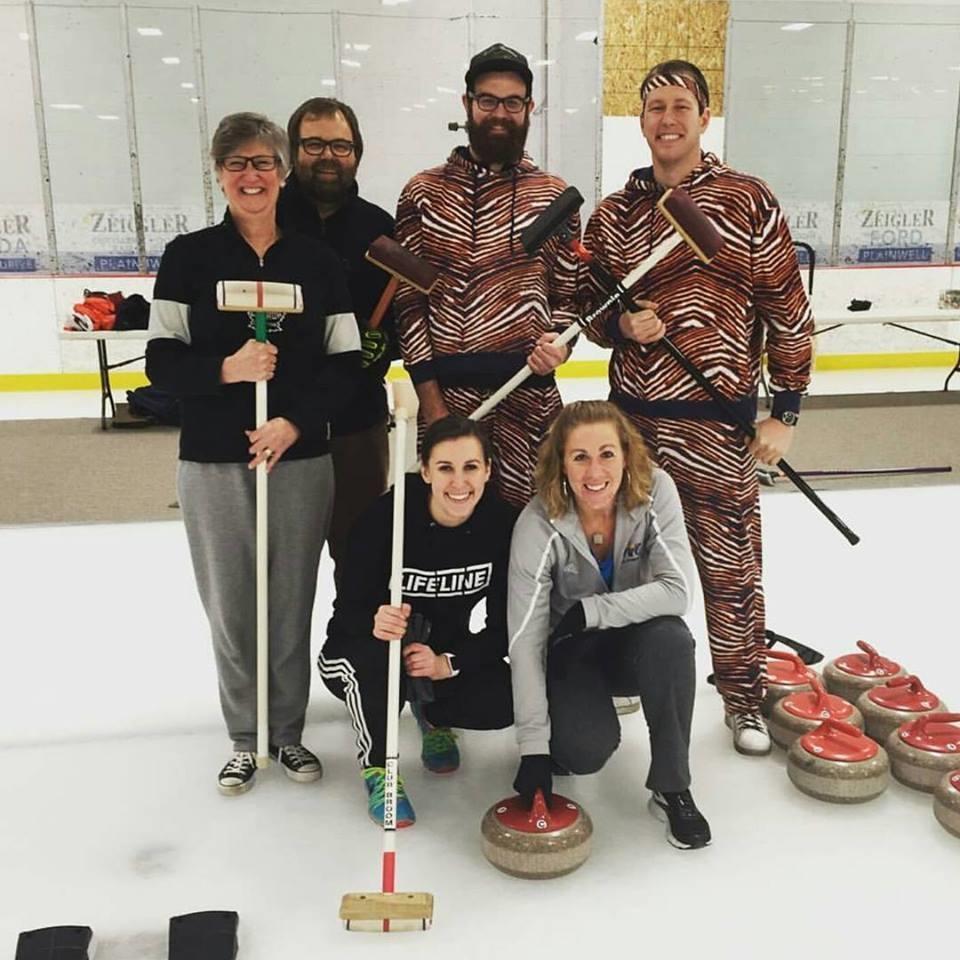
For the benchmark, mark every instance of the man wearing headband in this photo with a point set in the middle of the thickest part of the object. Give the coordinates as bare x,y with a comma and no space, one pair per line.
722,317
494,308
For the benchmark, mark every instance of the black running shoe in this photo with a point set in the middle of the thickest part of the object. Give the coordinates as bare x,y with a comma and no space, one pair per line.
687,829
298,762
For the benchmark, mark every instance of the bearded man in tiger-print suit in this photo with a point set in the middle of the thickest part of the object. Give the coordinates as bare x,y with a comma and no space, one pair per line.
493,309
721,316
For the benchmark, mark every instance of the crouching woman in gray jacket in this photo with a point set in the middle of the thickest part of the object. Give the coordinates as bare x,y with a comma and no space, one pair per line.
600,575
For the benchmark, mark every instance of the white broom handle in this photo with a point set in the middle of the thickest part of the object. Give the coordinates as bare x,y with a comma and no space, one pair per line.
263,620
396,598
629,280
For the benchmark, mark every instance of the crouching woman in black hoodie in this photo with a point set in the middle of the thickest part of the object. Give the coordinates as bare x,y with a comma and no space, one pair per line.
455,557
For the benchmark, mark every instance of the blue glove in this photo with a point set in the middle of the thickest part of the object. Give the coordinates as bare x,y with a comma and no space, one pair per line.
373,346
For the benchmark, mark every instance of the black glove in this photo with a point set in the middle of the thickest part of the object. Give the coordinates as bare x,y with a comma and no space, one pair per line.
573,622
418,631
373,345
535,773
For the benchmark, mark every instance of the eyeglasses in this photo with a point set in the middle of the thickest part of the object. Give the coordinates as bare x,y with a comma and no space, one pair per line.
237,163
316,145
487,102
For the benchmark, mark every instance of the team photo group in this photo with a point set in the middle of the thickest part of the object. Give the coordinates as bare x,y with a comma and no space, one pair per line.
550,552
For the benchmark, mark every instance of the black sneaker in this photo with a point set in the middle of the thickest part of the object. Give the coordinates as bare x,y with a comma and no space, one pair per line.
298,762
686,827
237,774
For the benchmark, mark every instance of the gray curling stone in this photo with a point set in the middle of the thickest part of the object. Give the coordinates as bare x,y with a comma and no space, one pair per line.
786,673
540,843
853,673
923,750
946,802
799,713
891,704
838,763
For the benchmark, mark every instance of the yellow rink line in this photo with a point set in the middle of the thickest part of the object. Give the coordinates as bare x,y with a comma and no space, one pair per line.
575,369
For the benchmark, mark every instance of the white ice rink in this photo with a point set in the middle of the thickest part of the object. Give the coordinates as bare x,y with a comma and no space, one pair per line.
111,739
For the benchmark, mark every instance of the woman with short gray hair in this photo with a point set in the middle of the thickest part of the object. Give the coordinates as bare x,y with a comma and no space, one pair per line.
210,361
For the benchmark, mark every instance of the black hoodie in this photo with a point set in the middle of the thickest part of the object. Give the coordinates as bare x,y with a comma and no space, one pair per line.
348,232
447,572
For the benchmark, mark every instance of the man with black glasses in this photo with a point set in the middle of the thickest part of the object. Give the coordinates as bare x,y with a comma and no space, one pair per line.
321,199
494,309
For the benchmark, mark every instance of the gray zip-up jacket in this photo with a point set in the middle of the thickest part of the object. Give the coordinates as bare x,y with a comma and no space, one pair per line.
551,568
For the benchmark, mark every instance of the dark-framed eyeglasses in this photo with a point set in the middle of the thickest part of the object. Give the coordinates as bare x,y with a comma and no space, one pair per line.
316,145
237,163
487,102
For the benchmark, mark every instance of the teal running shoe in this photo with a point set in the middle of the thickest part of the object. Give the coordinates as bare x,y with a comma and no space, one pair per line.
438,751
375,779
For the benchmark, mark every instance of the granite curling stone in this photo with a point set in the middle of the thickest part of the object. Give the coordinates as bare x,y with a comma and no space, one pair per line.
540,843
786,673
946,802
853,673
893,703
838,763
799,713
923,750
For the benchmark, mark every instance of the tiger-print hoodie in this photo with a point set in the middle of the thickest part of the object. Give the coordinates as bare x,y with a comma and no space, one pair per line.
721,315
492,301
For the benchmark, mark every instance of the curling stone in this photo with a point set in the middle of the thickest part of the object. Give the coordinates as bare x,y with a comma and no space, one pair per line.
946,802
539,843
923,750
786,673
799,713
853,673
839,763
893,703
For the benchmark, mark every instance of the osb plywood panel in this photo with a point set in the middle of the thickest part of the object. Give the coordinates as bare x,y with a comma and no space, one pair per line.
641,33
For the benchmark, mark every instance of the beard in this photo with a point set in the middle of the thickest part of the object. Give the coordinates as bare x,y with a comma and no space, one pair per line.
502,146
326,190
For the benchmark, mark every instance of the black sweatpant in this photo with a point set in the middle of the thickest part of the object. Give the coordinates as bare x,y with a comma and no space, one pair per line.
653,660
477,699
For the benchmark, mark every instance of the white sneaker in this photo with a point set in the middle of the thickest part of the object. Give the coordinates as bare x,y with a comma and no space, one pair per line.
750,735
626,705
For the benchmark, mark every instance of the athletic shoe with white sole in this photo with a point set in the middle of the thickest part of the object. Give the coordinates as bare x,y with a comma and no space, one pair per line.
439,752
687,829
625,705
298,762
375,779
237,774
750,734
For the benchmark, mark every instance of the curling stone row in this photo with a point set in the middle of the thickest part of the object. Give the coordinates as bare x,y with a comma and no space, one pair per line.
946,802
852,674
786,673
540,843
923,750
839,763
798,713
890,705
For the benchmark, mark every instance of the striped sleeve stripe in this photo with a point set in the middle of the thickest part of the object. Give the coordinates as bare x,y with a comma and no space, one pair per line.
341,335
169,319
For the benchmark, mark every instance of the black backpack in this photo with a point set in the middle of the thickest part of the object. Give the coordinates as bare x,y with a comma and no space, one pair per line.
156,404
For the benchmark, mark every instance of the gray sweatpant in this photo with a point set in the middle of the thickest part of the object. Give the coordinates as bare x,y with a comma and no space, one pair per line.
218,502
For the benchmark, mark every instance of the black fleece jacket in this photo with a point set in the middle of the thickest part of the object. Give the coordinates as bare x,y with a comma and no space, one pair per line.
447,572
348,232
318,355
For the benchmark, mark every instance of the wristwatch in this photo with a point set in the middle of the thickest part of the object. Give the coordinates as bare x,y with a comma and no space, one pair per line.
788,417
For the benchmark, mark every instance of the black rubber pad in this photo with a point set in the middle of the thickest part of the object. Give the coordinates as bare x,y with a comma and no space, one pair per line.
55,943
208,935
